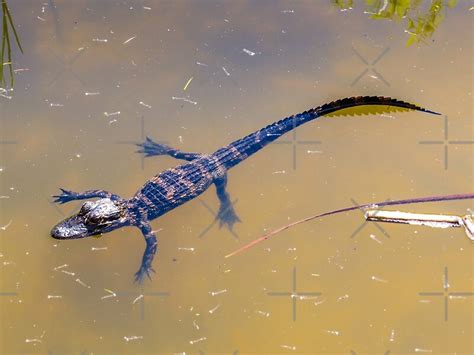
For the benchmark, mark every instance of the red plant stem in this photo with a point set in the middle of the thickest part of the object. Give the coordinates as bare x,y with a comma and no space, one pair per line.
352,208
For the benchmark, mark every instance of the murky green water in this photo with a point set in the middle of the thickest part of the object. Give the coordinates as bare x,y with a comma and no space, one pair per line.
97,76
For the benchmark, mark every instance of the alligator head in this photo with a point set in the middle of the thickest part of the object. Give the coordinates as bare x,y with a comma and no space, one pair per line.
94,217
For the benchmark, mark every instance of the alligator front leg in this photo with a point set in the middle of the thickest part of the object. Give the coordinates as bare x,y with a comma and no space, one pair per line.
150,251
150,148
226,214
67,195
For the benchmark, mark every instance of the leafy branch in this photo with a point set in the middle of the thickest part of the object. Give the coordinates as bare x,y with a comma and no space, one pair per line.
420,26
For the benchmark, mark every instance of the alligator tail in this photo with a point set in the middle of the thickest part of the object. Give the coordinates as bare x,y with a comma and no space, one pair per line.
241,149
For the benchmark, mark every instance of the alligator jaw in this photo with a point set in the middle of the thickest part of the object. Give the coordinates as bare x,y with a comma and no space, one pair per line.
70,228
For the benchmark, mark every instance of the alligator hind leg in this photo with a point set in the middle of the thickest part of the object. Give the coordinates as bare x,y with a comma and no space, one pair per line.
226,214
150,148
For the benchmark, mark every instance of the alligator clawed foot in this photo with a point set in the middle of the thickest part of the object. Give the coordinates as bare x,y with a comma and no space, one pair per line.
140,274
65,196
227,216
150,148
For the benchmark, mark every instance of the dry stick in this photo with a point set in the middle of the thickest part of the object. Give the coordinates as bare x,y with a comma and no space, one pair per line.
368,205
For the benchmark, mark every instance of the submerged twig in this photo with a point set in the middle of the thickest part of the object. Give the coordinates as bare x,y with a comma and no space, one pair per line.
352,208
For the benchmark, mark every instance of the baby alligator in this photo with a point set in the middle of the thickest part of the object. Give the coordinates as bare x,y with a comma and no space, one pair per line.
175,186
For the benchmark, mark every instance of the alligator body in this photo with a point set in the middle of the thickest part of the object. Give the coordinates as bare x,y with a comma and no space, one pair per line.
173,187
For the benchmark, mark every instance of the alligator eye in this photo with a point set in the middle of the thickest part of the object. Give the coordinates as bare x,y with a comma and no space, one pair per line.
92,219
86,207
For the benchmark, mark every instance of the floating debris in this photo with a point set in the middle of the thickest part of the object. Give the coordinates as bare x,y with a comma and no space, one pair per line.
144,104
289,347
225,71
4,228
418,350
56,105
96,248
197,340
184,99
262,313
40,18
195,325
82,283
215,293
211,311
373,237
146,8
288,12
343,297
104,40
333,332
202,64
130,39
92,93
279,172
250,53
187,83
186,249
392,335
137,299
35,340
70,273
111,294
375,278
133,337
107,114
54,296
317,303
60,267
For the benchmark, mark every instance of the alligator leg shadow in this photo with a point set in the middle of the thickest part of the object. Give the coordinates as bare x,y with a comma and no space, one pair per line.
226,215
